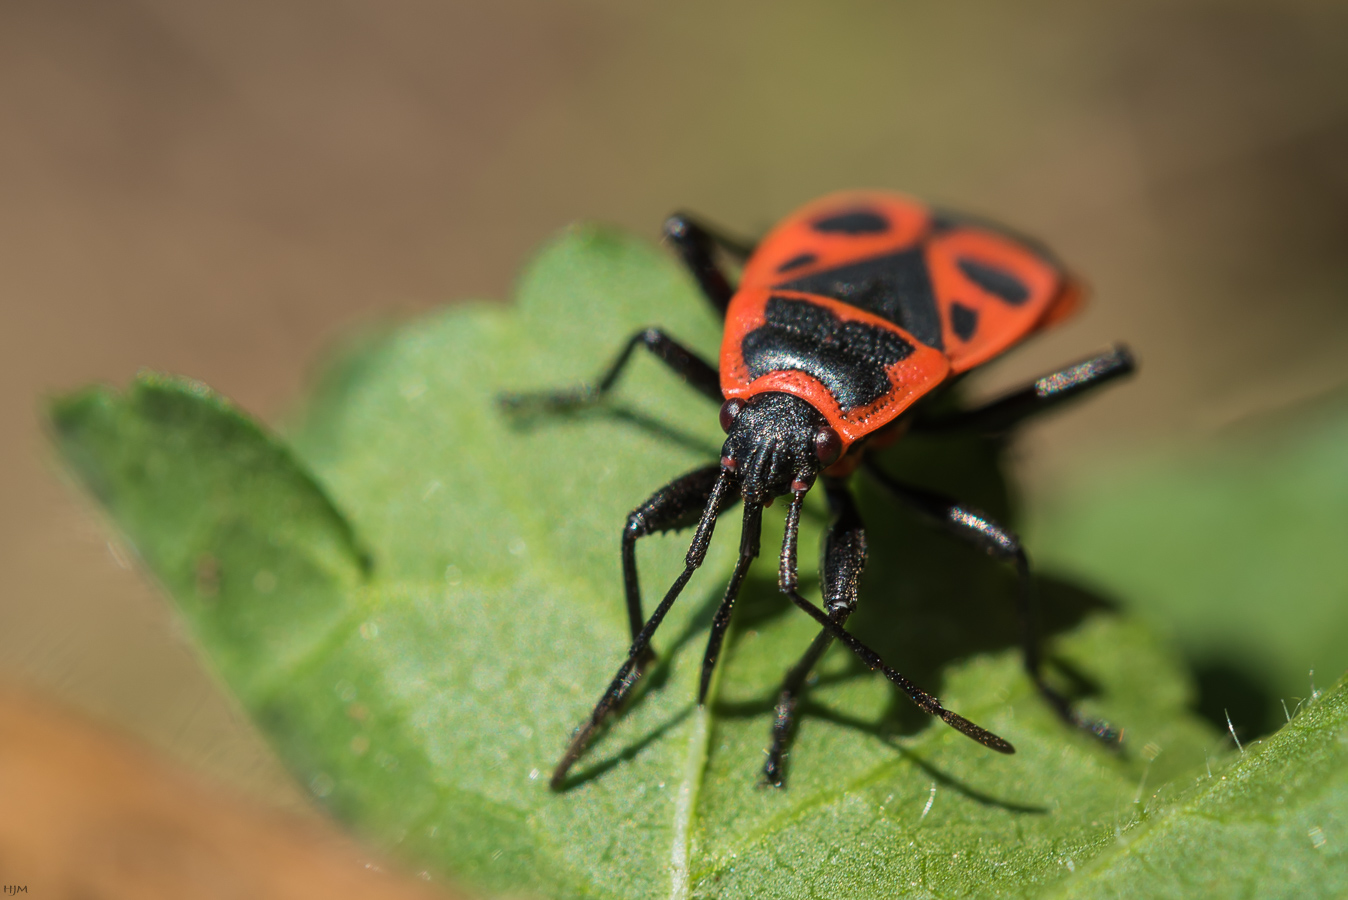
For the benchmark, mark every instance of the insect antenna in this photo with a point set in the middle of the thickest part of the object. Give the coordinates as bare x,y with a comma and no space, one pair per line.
750,532
928,703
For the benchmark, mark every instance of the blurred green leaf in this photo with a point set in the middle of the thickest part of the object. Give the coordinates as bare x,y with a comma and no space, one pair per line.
1232,547
258,559
426,694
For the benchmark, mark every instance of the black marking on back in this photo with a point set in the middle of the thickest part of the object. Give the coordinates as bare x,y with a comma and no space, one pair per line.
796,262
944,221
854,221
849,358
995,280
963,320
896,287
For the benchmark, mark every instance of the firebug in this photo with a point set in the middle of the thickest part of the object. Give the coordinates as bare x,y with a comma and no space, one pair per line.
849,312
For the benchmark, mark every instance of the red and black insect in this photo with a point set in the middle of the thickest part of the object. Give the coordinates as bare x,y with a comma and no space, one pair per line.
850,311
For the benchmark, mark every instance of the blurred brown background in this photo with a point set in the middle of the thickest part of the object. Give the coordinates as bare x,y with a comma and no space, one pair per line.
218,189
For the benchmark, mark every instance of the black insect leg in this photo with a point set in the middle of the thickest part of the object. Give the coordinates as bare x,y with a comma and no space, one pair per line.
1044,394
981,532
844,560
786,581
675,506
696,371
749,540
628,672
697,244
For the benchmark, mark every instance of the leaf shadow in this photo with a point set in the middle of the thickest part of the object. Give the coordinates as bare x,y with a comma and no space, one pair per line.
627,752
927,599
968,791
1229,691
882,728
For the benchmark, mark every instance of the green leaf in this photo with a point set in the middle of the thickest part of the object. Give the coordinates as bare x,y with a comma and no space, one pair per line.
258,559
1234,548
426,695
1271,825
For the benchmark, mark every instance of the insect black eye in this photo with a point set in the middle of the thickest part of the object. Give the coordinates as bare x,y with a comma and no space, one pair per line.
827,445
729,410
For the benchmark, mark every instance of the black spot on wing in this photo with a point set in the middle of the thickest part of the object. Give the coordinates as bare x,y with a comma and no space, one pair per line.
796,262
896,287
855,221
944,221
995,280
963,320
850,359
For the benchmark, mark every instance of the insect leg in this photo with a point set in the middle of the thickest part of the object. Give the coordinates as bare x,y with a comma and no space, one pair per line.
675,506
749,539
696,244
1043,394
981,532
926,702
697,372
628,672
844,559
